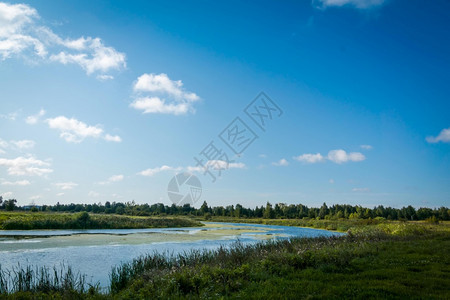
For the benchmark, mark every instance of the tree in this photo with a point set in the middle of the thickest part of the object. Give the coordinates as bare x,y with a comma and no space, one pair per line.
323,211
269,212
10,204
204,208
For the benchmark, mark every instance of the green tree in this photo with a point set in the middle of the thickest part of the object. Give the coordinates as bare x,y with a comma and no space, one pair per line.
10,204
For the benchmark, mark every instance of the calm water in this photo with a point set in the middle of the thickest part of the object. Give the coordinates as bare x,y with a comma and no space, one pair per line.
95,252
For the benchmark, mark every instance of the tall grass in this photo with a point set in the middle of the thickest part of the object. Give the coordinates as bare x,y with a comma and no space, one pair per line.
29,221
43,279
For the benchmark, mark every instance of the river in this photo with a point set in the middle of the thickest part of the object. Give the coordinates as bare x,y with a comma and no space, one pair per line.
95,252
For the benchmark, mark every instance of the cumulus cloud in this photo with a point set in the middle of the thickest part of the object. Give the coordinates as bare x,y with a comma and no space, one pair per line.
157,93
112,138
340,156
22,35
444,137
281,163
28,166
360,4
153,171
74,131
310,158
16,183
66,185
34,119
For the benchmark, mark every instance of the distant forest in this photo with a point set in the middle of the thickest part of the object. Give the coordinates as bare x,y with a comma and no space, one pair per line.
269,211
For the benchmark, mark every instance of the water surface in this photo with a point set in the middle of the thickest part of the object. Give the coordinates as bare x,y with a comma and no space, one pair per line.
95,252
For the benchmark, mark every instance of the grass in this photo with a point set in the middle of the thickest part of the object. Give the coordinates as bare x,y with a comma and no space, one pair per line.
387,260
83,220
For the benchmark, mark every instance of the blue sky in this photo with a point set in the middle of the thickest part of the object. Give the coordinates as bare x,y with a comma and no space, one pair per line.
108,101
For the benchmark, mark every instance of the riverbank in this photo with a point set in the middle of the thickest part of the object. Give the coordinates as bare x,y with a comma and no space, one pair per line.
84,220
396,260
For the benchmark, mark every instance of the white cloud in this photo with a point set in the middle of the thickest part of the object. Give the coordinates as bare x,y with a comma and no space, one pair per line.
113,138
360,190
310,158
156,105
114,178
153,171
18,182
95,58
36,197
281,163
331,181
6,195
105,77
29,166
340,156
165,96
366,147
60,194
361,4
93,194
262,156
74,131
216,165
444,136
33,119
11,116
22,35
24,144
17,145
66,185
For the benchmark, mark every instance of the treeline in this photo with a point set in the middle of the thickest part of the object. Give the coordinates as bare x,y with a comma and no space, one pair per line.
269,211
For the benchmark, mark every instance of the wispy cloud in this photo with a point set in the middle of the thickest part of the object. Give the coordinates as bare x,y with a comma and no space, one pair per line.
114,178
157,93
444,137
22,35
281,163
366,147
34,119
216,165
360,4
310,158
74,131
6,194
66,185
360,190
17,183
16,145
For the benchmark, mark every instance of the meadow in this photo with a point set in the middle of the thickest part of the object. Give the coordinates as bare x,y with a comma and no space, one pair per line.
393,260
47,220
